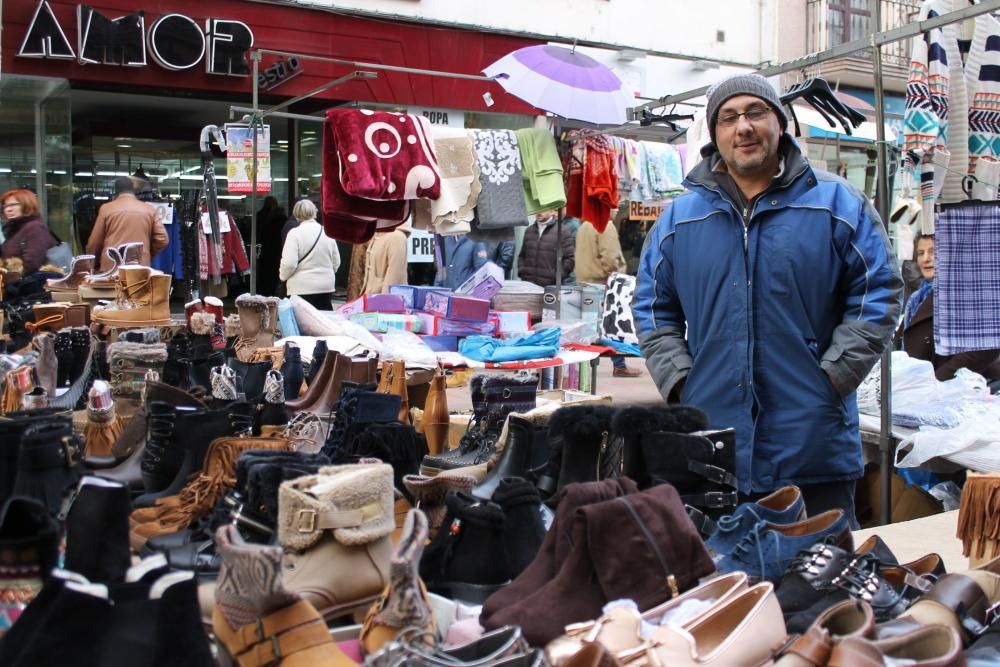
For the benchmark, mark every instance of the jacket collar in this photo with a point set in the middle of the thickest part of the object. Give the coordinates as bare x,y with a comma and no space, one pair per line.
796,167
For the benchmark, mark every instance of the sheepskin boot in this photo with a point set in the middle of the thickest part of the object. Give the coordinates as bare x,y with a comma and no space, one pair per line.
258,323
129,364
587,449
334,527
143,301
257,620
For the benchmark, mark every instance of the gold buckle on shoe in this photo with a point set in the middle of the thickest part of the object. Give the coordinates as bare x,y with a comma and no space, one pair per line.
306,520
70,451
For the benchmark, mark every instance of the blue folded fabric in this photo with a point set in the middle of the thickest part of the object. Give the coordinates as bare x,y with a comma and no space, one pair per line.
538,345
622,348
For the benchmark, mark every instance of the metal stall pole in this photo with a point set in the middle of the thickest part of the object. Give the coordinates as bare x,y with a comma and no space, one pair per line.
255,57
885,448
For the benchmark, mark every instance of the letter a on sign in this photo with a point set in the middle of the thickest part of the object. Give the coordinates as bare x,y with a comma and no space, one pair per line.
45,37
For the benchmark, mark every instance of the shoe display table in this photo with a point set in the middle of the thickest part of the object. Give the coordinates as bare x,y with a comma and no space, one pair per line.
911,540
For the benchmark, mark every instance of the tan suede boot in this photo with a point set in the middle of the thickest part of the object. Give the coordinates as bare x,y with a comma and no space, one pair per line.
334,528
145,300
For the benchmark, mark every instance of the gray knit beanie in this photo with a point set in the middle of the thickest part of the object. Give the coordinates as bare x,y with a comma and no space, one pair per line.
742,84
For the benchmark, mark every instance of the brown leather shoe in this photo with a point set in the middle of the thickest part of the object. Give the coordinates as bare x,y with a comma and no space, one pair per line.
626,372
931,646
848,618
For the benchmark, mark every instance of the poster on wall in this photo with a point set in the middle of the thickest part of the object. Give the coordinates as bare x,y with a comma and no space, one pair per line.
239,158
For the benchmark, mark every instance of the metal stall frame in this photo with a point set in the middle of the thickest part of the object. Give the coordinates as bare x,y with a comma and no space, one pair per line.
875,41
255,114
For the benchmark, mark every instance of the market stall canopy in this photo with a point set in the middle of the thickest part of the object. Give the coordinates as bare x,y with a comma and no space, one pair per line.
563,82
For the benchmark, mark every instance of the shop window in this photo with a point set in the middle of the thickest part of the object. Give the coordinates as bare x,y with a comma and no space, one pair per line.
847,20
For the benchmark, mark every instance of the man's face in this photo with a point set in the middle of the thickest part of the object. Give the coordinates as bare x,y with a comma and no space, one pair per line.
748,143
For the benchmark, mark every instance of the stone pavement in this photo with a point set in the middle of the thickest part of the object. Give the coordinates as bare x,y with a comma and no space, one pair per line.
624,390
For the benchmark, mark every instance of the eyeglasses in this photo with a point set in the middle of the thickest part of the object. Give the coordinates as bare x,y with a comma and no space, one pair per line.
11,204
754,115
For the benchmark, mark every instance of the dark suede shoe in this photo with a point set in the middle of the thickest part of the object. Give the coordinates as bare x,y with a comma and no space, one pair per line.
765,552
784,506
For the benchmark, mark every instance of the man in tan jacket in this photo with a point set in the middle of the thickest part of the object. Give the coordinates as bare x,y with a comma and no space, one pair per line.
598,255
126,220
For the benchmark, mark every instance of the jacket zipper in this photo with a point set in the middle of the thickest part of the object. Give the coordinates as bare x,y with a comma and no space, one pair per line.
671,580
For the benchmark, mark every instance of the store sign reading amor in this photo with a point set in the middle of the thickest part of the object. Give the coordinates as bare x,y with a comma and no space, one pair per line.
175,41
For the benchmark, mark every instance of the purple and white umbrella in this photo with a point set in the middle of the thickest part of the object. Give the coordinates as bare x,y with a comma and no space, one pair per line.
563,82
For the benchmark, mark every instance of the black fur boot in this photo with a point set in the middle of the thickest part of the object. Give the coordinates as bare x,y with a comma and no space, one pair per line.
584,448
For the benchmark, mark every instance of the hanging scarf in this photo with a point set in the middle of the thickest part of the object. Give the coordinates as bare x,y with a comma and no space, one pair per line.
916,300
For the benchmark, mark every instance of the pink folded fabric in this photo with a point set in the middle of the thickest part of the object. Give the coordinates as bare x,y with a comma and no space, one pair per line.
385,156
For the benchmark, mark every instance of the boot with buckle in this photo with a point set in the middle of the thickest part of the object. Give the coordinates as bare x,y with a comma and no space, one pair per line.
257,621
129,364
334,528
49,462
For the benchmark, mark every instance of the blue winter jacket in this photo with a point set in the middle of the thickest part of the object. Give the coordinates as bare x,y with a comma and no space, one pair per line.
777,312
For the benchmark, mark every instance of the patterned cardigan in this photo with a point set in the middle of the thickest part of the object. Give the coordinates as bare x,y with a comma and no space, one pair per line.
952,118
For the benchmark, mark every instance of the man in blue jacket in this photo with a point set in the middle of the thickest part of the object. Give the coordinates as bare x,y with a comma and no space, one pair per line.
765,295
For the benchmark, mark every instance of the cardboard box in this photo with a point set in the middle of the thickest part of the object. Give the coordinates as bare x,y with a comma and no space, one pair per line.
413,295
385,322
433,325
441,343
484,283
374,303
457,307
579,302
512,321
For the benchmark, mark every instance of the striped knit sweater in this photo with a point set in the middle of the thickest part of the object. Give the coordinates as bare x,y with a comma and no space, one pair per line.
952,118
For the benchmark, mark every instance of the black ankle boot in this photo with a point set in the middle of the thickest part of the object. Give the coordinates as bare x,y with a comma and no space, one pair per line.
583,446
49,462
200,368
392,442
467,559
29,550
291,371
523,527
319,351
701,465
251,378
50,631
636,423
97,530
64,358
193,432
160,460
522,452
355,410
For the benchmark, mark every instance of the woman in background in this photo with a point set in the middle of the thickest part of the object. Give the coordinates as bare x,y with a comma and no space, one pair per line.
27,236
309,259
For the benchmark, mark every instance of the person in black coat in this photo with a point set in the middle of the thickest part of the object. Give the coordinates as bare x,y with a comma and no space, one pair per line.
270,219
537,261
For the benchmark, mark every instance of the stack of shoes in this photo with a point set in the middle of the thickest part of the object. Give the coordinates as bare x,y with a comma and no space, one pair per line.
767,549
482,546
197,498
251,506
608,541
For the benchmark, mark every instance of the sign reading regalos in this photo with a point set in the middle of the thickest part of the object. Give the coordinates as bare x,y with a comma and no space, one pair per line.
175,41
